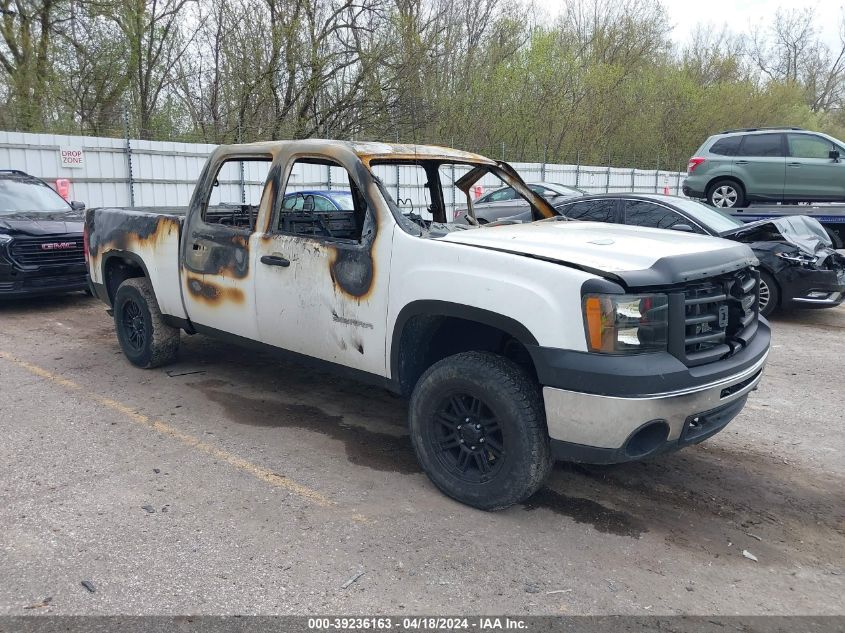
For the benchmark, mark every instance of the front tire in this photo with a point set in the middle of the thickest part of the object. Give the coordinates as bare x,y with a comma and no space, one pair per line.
726,194
146,340
769,294
479,430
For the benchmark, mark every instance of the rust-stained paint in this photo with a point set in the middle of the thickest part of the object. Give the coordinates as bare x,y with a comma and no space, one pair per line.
124,231
211,293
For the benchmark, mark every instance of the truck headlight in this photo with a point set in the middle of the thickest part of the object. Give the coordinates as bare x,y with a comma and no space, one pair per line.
5,239
626,324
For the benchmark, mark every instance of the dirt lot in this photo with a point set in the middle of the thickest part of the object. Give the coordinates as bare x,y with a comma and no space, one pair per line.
233,482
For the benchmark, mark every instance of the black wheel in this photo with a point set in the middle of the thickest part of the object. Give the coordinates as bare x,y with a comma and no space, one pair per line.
146,340
726,194
479,430
769,294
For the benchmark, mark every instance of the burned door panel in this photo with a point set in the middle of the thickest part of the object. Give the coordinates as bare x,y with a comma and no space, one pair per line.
216,275
328,301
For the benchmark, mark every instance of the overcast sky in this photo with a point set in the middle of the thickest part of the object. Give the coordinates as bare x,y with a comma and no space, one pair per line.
740,16
743,16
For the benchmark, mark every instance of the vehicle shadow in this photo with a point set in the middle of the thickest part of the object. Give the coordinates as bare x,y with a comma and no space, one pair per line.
825,317
705,496
44,303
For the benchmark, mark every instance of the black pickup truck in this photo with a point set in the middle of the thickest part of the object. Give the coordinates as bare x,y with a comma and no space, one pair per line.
41,242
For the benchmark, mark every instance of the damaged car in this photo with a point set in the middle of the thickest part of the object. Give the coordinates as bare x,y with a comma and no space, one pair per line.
798,266
513,345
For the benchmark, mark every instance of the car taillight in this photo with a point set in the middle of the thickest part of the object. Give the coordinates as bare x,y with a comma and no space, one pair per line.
693,163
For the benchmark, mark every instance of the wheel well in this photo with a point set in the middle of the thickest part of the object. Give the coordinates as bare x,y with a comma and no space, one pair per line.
717,179
118,269
427,339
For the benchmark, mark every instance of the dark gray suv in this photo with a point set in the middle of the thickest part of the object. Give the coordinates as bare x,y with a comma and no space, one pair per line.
736,167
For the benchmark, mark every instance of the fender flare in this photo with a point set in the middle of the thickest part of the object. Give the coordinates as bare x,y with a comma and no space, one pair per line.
435,308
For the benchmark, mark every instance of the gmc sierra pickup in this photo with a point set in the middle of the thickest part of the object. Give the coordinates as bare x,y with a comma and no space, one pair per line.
515,344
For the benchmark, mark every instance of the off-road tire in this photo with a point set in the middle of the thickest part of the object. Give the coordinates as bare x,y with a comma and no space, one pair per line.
768,282
725,183
508,394
148,341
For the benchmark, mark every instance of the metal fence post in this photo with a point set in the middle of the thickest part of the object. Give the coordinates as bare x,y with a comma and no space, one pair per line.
633,180
578,168
241,169
128,151
329,177
453,191
543,166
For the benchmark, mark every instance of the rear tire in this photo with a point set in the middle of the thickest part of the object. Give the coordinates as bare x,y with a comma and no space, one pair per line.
769,294
726,194
479,430
146,340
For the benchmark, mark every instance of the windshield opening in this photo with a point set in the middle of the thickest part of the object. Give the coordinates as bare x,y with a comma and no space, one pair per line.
18,195
437,192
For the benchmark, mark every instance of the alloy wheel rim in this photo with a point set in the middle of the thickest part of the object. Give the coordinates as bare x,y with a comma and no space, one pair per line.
468,439
725,196
765,295
134,326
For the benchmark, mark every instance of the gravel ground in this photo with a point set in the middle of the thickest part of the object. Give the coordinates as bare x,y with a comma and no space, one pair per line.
232,482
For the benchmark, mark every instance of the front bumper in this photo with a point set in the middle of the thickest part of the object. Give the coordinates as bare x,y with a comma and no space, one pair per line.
811,288
38,285
627,416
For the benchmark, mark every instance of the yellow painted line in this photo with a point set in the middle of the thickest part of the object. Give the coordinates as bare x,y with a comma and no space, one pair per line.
259,472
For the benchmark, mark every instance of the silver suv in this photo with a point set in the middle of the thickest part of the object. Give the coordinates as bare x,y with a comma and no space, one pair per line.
736,167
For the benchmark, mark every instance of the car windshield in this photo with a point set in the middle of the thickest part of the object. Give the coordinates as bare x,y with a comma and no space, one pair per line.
18,195
343,201
711,218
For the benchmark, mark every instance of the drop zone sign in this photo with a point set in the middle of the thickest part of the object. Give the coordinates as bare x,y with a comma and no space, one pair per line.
72,157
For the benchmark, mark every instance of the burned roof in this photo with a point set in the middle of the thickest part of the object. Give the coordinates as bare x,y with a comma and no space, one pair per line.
367,151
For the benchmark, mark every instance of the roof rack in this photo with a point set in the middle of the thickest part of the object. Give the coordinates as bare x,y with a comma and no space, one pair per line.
13,171
761,129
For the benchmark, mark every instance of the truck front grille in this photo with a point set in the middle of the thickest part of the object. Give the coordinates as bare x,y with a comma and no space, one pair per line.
720,316
48,251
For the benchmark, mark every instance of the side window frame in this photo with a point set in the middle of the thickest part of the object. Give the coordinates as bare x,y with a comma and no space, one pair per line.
368,220
204,202
784,147
831,145
687,220
615,215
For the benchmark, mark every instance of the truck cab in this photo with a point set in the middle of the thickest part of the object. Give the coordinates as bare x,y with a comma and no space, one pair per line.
514,344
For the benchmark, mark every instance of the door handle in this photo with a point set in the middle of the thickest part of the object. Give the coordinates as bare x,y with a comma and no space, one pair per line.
793,164
275,260
741,162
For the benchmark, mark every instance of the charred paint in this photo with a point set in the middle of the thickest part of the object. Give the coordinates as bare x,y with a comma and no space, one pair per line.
127,231
211,293
352,271
225,253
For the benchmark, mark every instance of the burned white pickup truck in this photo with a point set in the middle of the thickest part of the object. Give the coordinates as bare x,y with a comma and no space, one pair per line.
516,344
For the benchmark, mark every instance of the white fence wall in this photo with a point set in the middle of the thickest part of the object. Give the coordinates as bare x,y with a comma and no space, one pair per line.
159,173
